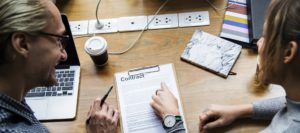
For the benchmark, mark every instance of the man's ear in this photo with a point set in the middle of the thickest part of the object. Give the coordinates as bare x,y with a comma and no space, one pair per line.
19,42
290,52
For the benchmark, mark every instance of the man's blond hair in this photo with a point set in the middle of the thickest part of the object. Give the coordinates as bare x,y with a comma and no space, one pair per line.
20,16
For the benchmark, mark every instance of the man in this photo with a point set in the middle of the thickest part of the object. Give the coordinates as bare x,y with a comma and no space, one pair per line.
28,58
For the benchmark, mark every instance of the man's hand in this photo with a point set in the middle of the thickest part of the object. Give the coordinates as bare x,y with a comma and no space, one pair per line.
102,119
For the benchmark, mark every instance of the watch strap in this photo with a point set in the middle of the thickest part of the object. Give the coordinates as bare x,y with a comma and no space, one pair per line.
178,118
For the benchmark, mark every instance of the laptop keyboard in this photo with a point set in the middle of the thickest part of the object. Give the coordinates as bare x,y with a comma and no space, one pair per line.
65,80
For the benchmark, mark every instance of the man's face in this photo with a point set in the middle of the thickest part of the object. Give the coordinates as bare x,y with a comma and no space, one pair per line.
46,51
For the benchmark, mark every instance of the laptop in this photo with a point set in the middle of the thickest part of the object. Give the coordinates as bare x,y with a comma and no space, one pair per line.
256,14
59,102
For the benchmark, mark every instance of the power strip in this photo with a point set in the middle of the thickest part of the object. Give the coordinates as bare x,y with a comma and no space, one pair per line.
79,27
193,19
136,23
163,21
110,26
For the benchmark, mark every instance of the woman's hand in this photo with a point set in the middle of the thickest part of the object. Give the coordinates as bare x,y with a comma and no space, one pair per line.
222,115
164,102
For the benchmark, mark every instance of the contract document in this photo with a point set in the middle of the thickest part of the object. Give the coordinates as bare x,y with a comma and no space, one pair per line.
135,89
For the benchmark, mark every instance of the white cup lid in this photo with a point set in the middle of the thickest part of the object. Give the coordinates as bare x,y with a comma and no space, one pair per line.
95,45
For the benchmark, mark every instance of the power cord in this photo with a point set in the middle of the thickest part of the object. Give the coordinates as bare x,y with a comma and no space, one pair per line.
140,35
216,8
81,36
98,25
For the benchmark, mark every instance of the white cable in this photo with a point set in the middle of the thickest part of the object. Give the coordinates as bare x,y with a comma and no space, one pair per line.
139,36
81,36
98,21
216,8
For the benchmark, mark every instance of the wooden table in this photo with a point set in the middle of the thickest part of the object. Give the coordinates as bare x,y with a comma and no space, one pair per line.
198,87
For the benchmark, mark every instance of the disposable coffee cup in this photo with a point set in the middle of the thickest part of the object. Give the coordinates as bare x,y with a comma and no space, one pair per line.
96,47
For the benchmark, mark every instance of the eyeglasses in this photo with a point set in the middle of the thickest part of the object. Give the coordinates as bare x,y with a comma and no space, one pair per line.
61,39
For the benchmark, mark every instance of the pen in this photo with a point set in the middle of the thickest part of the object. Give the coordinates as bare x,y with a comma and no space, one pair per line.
105,96
101,102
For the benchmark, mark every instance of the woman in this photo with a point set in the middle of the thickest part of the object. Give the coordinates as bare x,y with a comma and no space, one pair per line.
280,64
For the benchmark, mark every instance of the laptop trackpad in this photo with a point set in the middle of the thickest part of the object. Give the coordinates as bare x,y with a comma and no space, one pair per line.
39,107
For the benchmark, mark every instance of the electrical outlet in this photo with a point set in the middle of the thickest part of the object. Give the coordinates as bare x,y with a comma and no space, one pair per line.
110,26
132,23
193,19
163,21
79,27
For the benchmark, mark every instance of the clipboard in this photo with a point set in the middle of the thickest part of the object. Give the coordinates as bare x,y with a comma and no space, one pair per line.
134,89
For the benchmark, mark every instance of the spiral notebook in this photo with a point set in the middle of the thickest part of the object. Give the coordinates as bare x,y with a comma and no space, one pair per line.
211,52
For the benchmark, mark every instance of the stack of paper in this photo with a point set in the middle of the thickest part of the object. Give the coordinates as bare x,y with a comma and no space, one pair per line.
135,89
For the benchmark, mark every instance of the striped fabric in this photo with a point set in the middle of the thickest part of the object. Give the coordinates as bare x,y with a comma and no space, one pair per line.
17,117
235,25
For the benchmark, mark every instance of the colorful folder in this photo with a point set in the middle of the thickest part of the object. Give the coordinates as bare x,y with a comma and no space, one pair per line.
235,25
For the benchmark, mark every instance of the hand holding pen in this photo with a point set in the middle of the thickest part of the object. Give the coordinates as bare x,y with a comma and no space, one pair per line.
102,117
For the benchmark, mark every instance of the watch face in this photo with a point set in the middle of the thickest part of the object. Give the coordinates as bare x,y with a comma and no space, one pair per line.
169,121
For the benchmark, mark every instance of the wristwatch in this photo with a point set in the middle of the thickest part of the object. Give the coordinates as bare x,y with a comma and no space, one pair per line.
170,120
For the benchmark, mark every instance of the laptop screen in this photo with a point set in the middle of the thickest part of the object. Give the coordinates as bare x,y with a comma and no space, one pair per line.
70,49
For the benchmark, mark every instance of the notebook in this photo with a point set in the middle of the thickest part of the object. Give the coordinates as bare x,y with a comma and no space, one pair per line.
256,12
211,52
135,89
59,102
235,24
